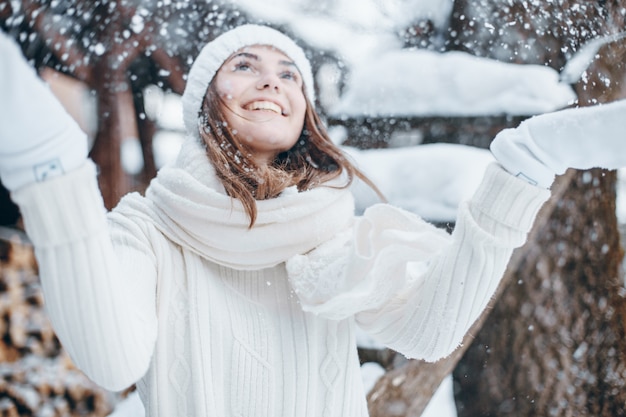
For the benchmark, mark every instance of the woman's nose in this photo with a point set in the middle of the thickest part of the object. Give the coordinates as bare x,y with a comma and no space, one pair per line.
268,81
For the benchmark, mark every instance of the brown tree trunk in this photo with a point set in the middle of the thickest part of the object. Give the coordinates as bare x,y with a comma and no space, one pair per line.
147,128
116,121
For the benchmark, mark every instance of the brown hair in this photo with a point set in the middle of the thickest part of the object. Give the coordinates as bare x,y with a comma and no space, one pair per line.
311,162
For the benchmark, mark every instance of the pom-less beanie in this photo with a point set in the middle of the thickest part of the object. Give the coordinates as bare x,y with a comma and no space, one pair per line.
213,55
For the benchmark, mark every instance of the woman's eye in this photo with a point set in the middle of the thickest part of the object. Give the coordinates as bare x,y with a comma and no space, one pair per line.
289,75
243,66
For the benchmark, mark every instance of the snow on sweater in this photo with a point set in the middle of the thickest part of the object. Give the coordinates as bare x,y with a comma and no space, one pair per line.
174,293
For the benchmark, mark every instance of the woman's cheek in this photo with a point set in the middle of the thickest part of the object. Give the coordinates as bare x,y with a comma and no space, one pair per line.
225,89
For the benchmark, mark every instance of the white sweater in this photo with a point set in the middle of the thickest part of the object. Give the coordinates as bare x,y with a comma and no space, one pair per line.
170,293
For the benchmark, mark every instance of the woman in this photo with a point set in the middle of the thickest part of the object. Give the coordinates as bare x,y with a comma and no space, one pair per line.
234,287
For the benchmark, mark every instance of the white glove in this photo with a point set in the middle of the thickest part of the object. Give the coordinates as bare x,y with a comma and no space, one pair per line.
38,138
545,146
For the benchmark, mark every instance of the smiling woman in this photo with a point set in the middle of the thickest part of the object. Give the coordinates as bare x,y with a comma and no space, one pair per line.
235,285
260,129
261,90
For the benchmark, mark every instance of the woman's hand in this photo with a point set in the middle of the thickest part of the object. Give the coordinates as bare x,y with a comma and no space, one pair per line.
38,138
546,145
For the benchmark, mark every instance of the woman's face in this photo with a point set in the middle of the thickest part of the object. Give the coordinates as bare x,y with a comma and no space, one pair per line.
261,89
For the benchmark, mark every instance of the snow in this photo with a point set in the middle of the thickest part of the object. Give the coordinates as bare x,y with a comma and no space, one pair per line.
384,80
423,83
365,27
442,403
435,177
130,407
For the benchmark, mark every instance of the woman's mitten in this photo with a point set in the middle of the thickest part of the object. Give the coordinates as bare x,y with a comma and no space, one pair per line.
546,145
38,138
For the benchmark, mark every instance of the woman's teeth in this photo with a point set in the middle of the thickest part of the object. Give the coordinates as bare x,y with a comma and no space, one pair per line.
264,105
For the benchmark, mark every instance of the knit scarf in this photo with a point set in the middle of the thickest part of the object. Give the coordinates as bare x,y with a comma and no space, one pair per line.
188,204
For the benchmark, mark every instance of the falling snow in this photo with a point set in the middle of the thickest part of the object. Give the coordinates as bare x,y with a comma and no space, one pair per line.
385,80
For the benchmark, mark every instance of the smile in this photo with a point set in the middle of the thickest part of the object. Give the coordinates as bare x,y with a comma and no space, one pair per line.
264,105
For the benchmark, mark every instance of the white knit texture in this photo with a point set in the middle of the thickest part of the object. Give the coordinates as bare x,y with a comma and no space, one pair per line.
101,300
411,286
238,343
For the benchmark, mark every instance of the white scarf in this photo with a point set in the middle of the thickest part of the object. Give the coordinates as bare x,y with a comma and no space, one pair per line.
187,203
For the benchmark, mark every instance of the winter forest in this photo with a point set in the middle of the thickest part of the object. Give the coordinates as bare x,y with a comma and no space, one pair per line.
414,90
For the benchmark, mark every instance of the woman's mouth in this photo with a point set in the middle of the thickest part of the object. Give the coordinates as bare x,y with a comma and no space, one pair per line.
264,105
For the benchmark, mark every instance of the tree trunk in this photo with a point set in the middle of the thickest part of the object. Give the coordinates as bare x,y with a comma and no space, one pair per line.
147,128
116,121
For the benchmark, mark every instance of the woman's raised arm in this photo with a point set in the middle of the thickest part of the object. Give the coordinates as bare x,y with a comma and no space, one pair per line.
418,291
98,276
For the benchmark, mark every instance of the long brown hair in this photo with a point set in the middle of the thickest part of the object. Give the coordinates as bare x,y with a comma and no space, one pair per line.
311,162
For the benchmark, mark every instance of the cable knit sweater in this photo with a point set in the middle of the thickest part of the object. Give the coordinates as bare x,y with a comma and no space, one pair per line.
173,292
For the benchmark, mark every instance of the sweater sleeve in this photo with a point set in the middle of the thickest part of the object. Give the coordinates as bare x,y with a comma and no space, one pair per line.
98,277
411,286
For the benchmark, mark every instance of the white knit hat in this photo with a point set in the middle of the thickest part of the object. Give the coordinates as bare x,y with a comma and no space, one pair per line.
214,53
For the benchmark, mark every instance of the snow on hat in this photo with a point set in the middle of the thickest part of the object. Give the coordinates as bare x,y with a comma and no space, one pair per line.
214,53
